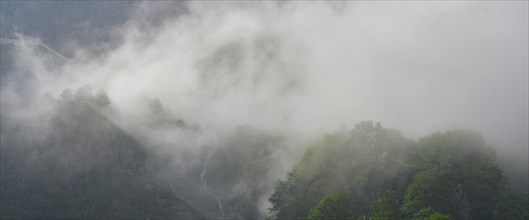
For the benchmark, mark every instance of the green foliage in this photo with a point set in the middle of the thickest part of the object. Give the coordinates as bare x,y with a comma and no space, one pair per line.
282,196
459,176
431,188
513,206
452,150
358,164
451,175
334,206
378,174
430,214
384,206
293,200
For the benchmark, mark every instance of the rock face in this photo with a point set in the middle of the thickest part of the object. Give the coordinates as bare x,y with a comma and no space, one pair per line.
81,166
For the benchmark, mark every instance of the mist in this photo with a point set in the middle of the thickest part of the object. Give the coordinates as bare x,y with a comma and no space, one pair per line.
293,71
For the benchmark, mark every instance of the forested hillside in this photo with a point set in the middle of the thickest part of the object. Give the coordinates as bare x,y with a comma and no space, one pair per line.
373,172
85,167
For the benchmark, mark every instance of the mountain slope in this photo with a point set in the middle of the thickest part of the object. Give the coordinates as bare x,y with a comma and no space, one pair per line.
83,167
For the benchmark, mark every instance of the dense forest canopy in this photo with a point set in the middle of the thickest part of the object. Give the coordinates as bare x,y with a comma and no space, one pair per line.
376,173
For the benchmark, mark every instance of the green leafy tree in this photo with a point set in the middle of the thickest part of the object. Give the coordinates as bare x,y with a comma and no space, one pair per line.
334,206
513,205
442,176
431,188
458,175
430,214
358,163
384,206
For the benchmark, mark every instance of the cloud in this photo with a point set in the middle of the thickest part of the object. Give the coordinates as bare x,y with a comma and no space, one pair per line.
306,67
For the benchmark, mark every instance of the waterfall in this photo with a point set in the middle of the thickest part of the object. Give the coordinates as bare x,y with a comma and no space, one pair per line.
220,207
204,170
204,183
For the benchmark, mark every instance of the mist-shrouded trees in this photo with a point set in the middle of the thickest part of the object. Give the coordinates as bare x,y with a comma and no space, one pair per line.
457,175
85,167
358,164
383,175
86,94
333,206
384,206
238,170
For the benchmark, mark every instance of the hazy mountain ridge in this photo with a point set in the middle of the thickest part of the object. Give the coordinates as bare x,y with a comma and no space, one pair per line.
86,168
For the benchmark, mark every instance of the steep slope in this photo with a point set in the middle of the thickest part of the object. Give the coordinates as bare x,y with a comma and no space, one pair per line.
83,166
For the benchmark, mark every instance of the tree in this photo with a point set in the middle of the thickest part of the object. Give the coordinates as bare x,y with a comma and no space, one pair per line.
101,99
513,206
430,214
333,206
384,206
431,188
442,176
457,175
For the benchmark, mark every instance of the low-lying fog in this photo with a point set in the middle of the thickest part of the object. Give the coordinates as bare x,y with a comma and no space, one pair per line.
295,69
